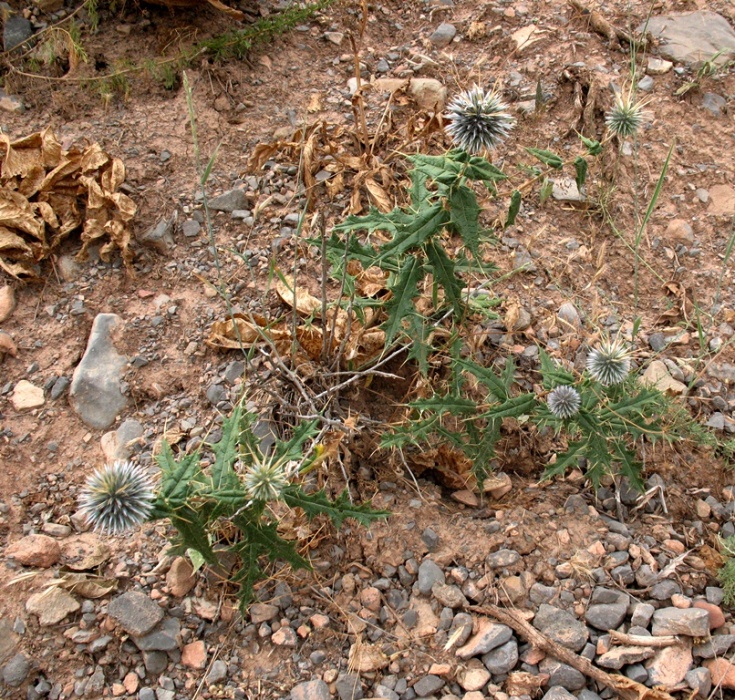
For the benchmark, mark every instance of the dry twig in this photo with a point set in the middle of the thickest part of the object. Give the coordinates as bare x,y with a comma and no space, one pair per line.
625,687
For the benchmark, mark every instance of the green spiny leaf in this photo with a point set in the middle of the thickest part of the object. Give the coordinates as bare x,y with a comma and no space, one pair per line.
226,452
404,291
314,504
594,148
456,405
513,209
465,212
514,407
444,274
487,377
547,157
580,167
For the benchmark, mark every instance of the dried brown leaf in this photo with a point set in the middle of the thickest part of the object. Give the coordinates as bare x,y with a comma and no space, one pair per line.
297,297
86,585
262,153
379,195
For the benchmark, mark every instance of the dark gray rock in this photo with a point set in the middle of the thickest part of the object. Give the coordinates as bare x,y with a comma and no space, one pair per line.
190,228
155,662
428,685
146,694
59,387
558,693
692,37
562,674
606,616
443,35
16,670
623,574
714,103
159,237
502,659
382,691
229,201
430,538
540,593
216,394
163,637
717,646
642,613
463,620
605,596
95,387
663,590
692,622
348,686
310,690
700,681
561,626
429,574
714,594
135,612
16,31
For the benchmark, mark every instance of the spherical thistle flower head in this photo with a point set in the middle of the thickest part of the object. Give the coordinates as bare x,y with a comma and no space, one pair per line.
264,481
609,363
117,497
478,120
564,401
626,116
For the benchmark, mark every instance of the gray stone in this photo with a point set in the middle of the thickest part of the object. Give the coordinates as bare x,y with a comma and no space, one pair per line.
262,612
164,694
502,659
637,673
16,670
607,596
692,622
657,341
664,590
190,228
502,558
450,596
623,574
310,690
8,640
95,387
124,440
155,662
216,394
95,683
163,637
443,35
717,646
463,620
645,83
229,201
159,237
558,693
218,672
429,574
234,371
59,387
135,612
562,674
606,617
490,636
586,694
348,686
561,626
714,594
642,613
16,31
569,316
692,37
430,538
540,593
428,685
566,190
645,576
146,694
700,681
714,103
382,691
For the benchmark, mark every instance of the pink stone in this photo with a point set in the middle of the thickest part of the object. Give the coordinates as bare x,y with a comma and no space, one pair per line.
35,550
716,616
723,672
194,655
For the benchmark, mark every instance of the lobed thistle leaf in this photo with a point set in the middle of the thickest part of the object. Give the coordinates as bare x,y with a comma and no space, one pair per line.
609,363
265,481
564,401
117,497
626,116
478,120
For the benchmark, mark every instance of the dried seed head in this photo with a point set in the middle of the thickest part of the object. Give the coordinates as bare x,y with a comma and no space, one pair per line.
478,120
117,497
609,363
264,481
564,401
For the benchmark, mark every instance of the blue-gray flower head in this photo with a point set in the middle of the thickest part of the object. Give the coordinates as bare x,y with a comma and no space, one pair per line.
264,481
117,497
609,363
626,116
478,120
564,401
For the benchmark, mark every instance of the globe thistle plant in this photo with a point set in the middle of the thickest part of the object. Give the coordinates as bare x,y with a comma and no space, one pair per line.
609,363
264,481
117,497
626,116
478,120
564,401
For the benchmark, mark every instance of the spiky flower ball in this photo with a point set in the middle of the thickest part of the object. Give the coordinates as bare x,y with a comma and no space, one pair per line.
564,401
264,481
626,116
609,363
117,497
478,120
